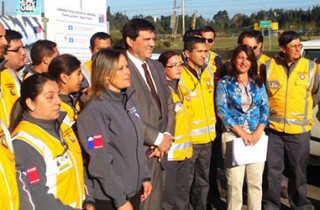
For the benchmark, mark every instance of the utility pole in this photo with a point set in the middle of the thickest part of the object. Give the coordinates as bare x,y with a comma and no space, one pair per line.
183,27
173,20
2,8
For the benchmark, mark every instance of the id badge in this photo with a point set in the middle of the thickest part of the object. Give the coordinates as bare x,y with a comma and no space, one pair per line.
63,163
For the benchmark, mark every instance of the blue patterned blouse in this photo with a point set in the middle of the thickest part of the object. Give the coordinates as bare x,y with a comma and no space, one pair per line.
229,107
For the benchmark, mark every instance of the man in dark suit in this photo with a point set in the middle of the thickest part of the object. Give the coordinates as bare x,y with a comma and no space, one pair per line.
154,103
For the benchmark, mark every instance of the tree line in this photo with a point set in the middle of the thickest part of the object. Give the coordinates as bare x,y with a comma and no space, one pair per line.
303,21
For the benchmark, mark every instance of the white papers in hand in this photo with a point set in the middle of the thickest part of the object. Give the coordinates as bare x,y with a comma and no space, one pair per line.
243,154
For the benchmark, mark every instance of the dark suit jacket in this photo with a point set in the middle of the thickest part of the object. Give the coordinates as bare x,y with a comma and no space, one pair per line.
154,122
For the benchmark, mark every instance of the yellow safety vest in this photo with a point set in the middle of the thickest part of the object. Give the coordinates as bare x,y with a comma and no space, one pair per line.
64,166
87,70
211,62
10,92
9,193
182,146
290,98
72,115
263,59
201,95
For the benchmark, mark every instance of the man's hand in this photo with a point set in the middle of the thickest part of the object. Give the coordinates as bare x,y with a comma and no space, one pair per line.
155,152
166,143
147,189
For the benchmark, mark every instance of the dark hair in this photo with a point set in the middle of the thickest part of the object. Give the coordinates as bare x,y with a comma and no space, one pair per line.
208,29
250,34
30,88
258,35
286,37
64,63
11,35
253,71
189,44
191,33
132,28
99,35
40,49
104,64
165,56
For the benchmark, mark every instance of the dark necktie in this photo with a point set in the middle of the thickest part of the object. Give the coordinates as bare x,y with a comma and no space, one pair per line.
151,86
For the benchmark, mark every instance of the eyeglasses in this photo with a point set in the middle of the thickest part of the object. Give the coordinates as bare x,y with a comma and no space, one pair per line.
296,46
174,65
254,48
209,40
18,50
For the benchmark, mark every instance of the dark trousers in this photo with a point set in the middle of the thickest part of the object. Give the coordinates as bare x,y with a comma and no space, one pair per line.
199,176
109,205
176,192
290,152
158,177
215,163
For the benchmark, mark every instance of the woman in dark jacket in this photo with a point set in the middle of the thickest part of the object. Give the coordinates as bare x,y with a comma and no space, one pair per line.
110,131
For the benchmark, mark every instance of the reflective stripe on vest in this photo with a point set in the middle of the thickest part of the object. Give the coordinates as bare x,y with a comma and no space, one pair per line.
295,118
200,131
58,179
181,146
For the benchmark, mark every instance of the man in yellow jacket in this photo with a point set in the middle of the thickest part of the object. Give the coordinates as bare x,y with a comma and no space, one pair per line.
98,41
10,84
293,89
197,82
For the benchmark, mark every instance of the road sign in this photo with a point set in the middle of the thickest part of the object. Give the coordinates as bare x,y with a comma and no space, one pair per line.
265,23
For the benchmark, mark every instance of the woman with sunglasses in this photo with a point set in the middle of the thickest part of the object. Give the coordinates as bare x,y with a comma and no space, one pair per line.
48,155
66,70
242,105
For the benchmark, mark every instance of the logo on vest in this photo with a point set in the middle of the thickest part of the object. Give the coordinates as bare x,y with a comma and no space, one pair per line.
274,84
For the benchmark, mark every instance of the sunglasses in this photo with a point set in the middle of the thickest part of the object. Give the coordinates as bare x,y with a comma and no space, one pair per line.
254,47
210,40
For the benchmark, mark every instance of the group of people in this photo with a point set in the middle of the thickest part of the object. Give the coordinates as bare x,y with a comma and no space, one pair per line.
123,131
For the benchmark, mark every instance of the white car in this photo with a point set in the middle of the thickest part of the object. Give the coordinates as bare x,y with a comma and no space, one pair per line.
311,50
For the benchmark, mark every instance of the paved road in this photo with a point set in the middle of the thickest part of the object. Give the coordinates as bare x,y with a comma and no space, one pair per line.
313,191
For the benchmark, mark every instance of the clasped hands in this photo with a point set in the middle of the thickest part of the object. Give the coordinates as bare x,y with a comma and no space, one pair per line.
250,138
163,148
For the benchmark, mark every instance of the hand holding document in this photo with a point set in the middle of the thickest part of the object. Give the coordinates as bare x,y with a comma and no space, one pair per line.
243,154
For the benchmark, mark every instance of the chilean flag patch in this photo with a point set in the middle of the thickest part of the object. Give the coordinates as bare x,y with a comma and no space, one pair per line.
94,142
32,174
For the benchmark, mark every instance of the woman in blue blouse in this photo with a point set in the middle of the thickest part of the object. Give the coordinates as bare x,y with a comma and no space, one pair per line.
242,105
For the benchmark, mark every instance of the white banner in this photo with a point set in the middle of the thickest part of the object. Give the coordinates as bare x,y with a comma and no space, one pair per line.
31,28
71,24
